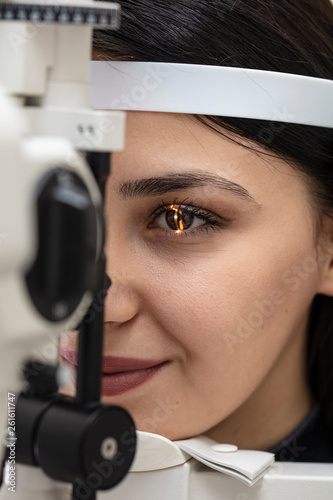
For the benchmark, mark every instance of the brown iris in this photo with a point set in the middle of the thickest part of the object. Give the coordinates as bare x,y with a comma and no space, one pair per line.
177,219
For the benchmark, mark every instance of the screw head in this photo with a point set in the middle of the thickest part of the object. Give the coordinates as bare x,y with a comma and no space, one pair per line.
109,448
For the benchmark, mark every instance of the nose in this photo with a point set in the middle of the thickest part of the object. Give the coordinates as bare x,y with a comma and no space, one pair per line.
122,300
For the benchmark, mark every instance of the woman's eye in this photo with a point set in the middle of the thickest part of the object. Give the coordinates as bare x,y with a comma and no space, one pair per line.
180,219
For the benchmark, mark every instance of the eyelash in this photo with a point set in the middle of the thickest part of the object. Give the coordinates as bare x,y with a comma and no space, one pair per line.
213,222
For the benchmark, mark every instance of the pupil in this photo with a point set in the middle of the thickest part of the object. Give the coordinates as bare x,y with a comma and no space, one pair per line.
178,219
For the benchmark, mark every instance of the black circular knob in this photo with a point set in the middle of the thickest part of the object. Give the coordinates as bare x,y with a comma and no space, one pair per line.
90,448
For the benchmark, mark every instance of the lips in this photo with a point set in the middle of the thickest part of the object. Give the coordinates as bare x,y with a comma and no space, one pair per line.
120,374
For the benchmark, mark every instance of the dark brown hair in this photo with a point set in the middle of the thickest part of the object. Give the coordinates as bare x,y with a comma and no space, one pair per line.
276,35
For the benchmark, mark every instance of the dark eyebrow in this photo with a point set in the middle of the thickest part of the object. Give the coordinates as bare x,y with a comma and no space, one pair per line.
155,186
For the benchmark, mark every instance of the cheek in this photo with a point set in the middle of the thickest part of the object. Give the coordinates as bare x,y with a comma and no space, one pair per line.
232,313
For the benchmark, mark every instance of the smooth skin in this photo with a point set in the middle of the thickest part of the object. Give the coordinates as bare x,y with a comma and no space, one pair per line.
226,299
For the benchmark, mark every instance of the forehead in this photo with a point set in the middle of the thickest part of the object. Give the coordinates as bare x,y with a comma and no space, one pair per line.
160,143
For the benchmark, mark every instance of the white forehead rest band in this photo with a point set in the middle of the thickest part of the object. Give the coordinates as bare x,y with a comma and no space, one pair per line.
212,90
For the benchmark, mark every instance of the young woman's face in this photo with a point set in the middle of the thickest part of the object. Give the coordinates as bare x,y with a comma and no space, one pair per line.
211,251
